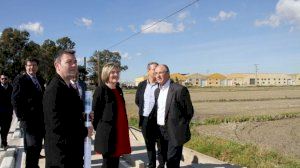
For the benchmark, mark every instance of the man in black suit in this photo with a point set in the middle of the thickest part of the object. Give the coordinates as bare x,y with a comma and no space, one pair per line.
6,109
27,96
145,100
174,113
64,122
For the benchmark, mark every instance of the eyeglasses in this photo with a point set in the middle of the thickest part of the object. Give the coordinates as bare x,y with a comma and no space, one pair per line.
3,78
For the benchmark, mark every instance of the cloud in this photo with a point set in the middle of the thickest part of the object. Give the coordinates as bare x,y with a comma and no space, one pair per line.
222,16
182,15
161,27
84,22
132,28
36,27
125,56
138,54
272,21
286,11
120,29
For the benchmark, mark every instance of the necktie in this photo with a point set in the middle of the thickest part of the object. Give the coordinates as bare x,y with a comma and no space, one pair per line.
36,83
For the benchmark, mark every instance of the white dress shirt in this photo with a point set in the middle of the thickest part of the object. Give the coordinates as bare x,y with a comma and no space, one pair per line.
149,98
161,103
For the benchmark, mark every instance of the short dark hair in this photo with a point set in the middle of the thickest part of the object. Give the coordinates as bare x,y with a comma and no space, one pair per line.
151,63
62,52
32,59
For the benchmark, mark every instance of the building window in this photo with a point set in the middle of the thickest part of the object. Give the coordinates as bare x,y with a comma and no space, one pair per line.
268,78
216,82
274,78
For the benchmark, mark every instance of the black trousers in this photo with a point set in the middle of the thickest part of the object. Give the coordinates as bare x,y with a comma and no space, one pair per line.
170,153
5,121
33,139
110,162
149,130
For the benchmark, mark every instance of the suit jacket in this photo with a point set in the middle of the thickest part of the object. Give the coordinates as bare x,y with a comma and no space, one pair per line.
179,112
105,110
139,101
27,102
5,100
64,122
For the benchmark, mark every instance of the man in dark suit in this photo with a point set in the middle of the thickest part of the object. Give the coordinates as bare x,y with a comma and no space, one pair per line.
145,100
6,109
27,96
64,122
174,113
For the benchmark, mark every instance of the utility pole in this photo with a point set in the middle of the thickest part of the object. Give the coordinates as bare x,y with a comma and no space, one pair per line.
256,71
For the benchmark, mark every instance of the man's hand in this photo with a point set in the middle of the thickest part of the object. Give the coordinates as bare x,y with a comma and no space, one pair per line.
90,131
92,116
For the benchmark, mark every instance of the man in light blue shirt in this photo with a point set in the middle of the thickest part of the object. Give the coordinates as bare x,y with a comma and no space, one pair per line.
145,100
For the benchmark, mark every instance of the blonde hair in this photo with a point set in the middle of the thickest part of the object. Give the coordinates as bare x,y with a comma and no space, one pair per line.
106,70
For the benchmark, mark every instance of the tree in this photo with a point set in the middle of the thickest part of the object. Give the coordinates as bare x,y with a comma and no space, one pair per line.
105,57
48,53
65,43
12,46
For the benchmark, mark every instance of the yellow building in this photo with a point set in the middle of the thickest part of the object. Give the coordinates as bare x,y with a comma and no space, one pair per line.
196,79
139,79
178,78
237,79
216,79
295,79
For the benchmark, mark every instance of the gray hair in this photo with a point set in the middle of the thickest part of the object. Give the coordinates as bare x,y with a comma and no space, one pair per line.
151,63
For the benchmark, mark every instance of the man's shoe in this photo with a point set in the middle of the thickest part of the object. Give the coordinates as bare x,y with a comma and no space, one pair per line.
5,147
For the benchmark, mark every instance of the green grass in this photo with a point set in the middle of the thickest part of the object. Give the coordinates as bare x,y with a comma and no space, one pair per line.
235,119
240,154
133,122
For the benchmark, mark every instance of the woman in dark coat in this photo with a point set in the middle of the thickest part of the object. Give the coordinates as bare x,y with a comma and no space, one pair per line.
110,119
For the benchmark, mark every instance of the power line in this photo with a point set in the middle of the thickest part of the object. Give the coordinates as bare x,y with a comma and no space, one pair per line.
155,23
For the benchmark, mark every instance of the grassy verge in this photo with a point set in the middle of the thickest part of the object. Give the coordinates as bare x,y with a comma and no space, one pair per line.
232,152
240,154
257,118
133,122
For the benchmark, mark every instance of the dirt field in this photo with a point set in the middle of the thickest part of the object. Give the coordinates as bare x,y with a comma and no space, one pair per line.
279,135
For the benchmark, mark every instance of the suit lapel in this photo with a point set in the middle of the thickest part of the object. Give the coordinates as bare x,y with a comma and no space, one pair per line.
169,99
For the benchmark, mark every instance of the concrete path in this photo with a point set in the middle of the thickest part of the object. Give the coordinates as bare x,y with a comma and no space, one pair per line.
14,157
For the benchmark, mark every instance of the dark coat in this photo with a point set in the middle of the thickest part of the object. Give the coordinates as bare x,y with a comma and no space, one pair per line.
65,130
27,102
139,101
179,112
5,100
105,116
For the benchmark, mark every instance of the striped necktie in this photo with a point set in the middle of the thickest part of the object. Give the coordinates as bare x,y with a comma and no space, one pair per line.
36,83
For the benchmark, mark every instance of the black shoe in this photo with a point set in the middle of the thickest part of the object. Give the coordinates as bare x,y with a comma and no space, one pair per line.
161,166
150,165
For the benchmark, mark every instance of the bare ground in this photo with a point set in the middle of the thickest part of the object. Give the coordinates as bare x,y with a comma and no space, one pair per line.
282,135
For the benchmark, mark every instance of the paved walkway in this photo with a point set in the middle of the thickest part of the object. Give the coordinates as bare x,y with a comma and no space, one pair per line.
138,157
